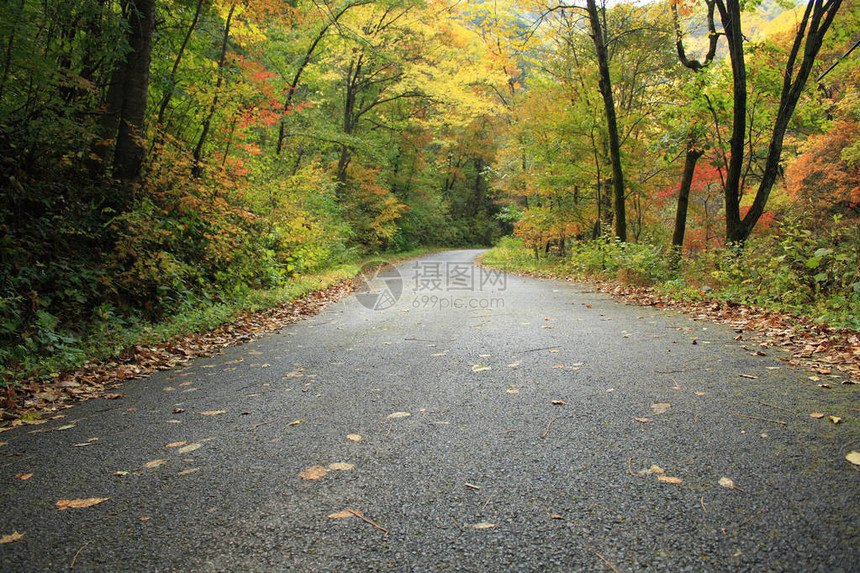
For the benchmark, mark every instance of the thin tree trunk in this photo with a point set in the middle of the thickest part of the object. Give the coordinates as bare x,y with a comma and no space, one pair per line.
692,156
207,123
597,35
171,82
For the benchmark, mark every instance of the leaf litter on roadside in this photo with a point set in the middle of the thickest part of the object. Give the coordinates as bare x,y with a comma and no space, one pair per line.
14,536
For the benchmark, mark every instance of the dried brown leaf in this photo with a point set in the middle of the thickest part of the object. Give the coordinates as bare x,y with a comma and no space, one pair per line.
661,407
176,444
24,477
817,415
340,466
15,536
643,420
189,448
667,479
559,402
654,469
313,472
354,437
342,514
80,503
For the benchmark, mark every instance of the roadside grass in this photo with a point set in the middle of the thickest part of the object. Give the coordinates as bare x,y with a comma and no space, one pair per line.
793,272
112,336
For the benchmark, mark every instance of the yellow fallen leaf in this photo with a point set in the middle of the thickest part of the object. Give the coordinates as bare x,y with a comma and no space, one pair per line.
512,391
176,444
749,376
340,466
559,402
661,407
556,516
189,448
189,383
668,479
342,514
557,366
80,503
144,518
212,412
354,437
834,419
153,464
513,365
817,415
482,525
853,457
399,415
643,420
437,354
701,393
169,389
188,471
11,537
480,368
296,422
726,482
313,472
654,469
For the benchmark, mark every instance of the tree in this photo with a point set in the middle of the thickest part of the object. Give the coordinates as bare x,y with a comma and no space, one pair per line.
808,38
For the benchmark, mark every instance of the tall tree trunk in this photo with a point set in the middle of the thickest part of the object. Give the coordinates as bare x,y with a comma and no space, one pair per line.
130,147
597,35
207,122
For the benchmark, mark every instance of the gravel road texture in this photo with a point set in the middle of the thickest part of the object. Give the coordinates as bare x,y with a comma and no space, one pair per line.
484,422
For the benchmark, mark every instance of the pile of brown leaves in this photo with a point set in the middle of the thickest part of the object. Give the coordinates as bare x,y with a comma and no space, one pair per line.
95,378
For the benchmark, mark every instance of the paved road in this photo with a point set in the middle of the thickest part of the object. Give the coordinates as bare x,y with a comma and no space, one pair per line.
484,474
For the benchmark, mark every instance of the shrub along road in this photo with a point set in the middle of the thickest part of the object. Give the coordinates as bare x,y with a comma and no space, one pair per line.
483,422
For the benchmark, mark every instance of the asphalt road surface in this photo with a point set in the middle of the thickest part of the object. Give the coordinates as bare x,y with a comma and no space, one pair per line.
431,429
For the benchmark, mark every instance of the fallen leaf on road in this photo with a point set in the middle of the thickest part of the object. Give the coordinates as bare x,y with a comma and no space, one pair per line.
701,393
667,479
212,412
557,366
480,368
554,351
340,466
654,469
643,420
176,444
66,427
120,473
726,482
559,402
296,422
816,415
23,477
834,419
79,503
750,376
437,354
482,525
313,472
854,458
556,516
153,464
827,386
513,364
144,518
661,407
512,391
341,514
398,415
11,537
189,448
354,437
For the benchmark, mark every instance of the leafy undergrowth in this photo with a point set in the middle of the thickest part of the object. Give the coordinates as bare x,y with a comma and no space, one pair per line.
823,349
166,345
